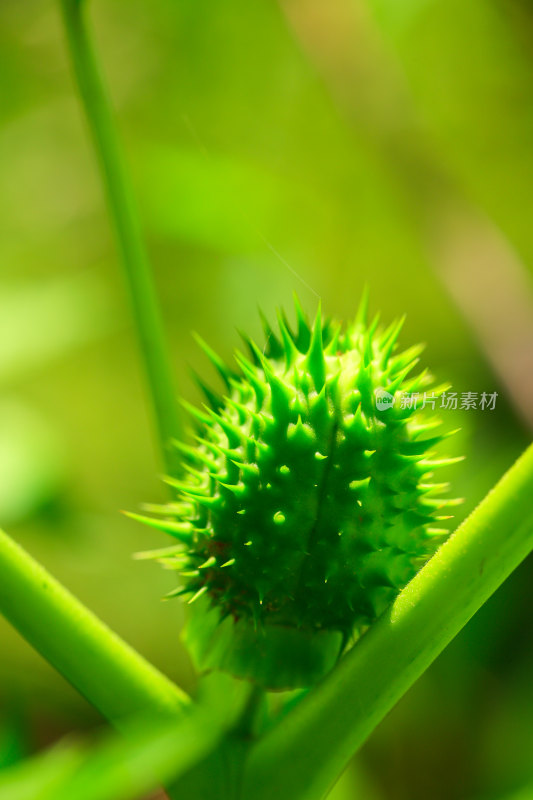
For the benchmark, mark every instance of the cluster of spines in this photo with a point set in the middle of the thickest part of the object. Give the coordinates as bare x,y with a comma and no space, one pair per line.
302,504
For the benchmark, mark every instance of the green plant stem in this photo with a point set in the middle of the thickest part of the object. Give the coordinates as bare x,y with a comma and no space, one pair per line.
254,710
147,752
107,671
302,757
220,774
127,229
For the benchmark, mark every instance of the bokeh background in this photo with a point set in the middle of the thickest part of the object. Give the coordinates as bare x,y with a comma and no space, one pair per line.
302,145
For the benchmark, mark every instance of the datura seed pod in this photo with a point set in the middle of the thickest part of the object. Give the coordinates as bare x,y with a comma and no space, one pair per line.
306,503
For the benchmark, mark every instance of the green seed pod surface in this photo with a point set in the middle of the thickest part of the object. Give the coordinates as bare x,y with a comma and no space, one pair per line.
306,506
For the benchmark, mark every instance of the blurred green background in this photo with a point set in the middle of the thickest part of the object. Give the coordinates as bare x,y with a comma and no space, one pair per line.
302,145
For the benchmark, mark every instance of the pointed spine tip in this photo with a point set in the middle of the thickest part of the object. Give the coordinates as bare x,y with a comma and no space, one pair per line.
316,360
220,365
183,531
287,338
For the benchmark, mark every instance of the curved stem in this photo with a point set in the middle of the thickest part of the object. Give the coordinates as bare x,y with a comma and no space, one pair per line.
219,775
302,757
127,229
254,709
109,673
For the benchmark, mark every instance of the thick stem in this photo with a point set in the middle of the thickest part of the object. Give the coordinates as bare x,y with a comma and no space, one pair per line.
107,671
302,757
127,229
219,775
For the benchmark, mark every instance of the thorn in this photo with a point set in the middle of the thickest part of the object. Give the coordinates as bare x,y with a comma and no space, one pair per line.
175,562
280,394
303,336
229,453
248,470
368,353
442,502
168,509
417,428
389,340
431,488
195,454
398,380
220,366
315,360
207,502
183,531
232,431
198,594
179,592
443,462
237,489
290,349
419,446
248,342
185,488
211,561
145,555
439,390
241,409
215,449
374,324
199,415
212,397
410,355
333,342
195,473
273,346
280,397
261,357
251,374
301,434
424,378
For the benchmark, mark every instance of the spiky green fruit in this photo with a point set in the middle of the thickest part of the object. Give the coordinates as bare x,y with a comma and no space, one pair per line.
305,508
